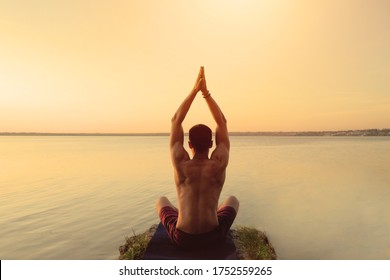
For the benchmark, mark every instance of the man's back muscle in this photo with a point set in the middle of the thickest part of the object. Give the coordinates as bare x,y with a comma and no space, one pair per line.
198,194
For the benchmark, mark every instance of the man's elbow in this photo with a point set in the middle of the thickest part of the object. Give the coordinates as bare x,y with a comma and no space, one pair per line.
223,121
174,118
176,121
223,118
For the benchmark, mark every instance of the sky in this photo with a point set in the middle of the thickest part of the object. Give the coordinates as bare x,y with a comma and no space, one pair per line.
126,66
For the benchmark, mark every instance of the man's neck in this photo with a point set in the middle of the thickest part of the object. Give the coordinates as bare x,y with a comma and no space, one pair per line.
204,155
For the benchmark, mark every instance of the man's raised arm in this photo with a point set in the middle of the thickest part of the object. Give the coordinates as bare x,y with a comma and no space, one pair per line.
221,133
177,132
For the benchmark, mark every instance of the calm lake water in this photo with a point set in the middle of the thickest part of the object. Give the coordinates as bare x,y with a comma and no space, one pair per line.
79,197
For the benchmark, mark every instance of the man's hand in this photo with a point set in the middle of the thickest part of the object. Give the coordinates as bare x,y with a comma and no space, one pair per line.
200,84
203,85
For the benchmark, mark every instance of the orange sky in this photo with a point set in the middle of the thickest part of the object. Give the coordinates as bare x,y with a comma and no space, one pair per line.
125,66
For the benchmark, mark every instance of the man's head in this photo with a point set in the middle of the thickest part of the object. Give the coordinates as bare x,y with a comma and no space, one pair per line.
200,136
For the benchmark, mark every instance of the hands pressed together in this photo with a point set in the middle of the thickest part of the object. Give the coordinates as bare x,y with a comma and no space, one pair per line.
200,84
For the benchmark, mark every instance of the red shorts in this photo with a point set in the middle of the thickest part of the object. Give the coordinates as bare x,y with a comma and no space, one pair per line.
169,215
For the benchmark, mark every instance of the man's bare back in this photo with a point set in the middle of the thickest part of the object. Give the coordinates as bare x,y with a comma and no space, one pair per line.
198,194
199,180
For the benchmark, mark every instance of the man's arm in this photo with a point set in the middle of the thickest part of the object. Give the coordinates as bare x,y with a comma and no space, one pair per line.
178,152
221,152
221,133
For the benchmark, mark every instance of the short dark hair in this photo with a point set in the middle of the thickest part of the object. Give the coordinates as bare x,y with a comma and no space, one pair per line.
200,136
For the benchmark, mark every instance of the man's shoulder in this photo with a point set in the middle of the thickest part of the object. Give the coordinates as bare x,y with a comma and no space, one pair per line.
179,154
221,155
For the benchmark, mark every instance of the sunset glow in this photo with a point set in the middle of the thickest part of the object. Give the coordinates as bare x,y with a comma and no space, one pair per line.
125,66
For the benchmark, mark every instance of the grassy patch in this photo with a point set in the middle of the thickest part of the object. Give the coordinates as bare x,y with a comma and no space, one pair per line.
252,244
135,246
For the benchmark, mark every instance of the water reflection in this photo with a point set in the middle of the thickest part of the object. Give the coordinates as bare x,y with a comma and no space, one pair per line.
323,201
78,197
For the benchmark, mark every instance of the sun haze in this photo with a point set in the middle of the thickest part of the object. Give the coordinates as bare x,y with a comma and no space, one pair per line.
125,66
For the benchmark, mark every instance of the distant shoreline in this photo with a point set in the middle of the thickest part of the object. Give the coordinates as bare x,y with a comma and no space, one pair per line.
363,132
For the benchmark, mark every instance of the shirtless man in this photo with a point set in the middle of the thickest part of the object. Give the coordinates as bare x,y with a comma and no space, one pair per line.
198,221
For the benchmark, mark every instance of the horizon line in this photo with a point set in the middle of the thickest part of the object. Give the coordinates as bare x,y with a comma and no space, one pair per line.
168,133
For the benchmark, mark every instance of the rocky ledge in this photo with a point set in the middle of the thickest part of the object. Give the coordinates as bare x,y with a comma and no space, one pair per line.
251,244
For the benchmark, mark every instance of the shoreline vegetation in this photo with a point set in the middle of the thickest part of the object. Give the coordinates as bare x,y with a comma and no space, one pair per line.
362,132
251,244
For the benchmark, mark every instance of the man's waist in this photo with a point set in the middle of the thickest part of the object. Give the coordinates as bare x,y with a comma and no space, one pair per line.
194,226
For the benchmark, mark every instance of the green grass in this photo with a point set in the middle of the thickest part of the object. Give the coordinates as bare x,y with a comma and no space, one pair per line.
135,246
136,250
252,244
